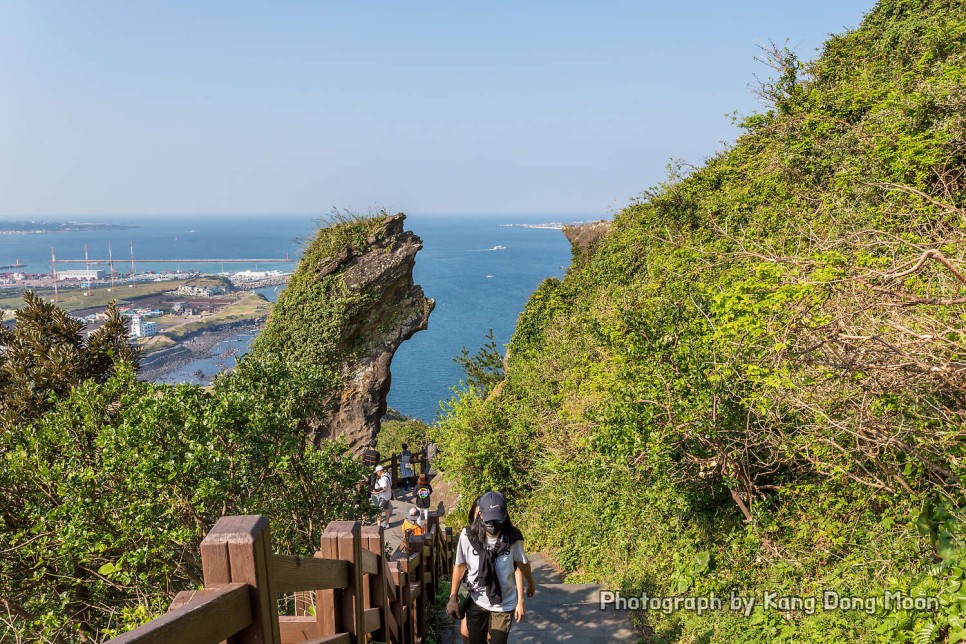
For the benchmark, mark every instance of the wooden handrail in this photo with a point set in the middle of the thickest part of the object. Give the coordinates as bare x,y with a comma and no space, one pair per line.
392,462
358,592
213,616
294,574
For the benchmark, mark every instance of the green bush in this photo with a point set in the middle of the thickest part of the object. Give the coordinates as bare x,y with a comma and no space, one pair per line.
393,433
108,495
754,381
109,484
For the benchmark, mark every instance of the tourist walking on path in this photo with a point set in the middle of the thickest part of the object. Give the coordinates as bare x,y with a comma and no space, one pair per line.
406,468
382,494
370,456
488,552
413,524
422,495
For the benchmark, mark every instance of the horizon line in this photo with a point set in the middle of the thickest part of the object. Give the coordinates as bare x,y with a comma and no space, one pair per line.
76,217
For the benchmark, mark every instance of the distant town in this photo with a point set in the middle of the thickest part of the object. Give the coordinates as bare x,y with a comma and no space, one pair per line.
550,225
173,316
92,278
42,227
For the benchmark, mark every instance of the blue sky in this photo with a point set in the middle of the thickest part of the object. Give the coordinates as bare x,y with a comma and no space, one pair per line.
296,107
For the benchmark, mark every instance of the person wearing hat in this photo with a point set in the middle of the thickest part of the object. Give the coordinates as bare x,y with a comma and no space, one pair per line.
488,552
412,524
382,494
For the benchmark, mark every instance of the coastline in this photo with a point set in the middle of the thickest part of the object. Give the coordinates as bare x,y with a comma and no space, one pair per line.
196,346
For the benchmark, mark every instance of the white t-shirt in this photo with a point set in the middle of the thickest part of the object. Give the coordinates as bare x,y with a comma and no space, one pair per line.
385,482
504,570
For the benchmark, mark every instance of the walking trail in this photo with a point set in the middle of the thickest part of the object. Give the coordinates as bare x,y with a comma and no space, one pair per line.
557,612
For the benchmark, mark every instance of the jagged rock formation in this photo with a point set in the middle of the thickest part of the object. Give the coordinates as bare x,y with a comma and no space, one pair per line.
399,309
350,304
584,237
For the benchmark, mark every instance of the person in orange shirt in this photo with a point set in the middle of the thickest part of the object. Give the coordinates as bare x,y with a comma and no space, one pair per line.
412,524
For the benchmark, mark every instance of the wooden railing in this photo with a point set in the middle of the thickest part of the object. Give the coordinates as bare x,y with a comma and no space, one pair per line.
348,590
392,464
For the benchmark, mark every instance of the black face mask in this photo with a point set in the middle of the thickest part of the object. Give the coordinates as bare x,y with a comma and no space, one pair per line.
492,527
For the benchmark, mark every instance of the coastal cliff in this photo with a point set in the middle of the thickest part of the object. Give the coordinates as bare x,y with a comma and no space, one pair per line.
583,238
752,378
350,304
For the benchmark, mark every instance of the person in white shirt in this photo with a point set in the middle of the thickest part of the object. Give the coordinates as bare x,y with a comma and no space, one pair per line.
488,553
382,494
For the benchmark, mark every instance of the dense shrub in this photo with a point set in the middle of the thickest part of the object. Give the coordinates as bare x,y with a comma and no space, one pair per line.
108,484
756,380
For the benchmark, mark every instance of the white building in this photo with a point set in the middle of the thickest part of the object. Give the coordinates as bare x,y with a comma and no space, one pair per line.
83,274
254,275
142,328
201,291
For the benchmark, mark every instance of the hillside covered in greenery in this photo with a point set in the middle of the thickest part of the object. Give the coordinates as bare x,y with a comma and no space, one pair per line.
756,380
108,484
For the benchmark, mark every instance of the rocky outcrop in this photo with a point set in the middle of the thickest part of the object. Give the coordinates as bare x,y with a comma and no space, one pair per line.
584,237
396,309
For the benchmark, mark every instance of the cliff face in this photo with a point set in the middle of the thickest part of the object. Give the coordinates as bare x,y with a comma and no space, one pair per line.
583,238
348,307
397,309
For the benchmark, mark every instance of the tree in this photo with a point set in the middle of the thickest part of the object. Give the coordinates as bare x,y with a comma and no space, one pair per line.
45,354
484,369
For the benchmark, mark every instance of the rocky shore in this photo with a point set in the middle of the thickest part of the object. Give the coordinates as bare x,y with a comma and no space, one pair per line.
196,346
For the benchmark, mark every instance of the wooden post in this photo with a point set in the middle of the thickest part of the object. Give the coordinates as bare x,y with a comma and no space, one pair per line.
417,575
325,613
350,605
399,570
373,540
433,529
450,549
239,549
394,469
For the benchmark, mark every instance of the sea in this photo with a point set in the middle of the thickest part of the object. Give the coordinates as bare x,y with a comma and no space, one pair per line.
480,270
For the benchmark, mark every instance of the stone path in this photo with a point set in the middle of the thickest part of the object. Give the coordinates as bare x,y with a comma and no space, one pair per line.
561,612
401,504
557,612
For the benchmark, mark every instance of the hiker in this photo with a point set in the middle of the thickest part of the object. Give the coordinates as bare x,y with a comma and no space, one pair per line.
423,491
488,552
430,451
523,570
412,524
406,468
370,456
382,494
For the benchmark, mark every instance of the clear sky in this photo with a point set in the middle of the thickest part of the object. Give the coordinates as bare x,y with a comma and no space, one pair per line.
120,107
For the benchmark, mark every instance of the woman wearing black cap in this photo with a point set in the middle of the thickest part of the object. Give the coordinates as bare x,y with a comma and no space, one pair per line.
488,552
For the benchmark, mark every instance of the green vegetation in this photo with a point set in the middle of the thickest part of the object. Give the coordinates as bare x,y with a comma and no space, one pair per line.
211,280
72,298
755,381
155,343
44,355
393,433
109,484
313,317
249,306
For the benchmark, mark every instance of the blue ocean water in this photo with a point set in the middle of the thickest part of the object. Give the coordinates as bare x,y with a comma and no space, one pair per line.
159,237
476,288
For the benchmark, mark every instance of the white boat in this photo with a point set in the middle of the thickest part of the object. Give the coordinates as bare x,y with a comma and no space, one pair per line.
498,247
